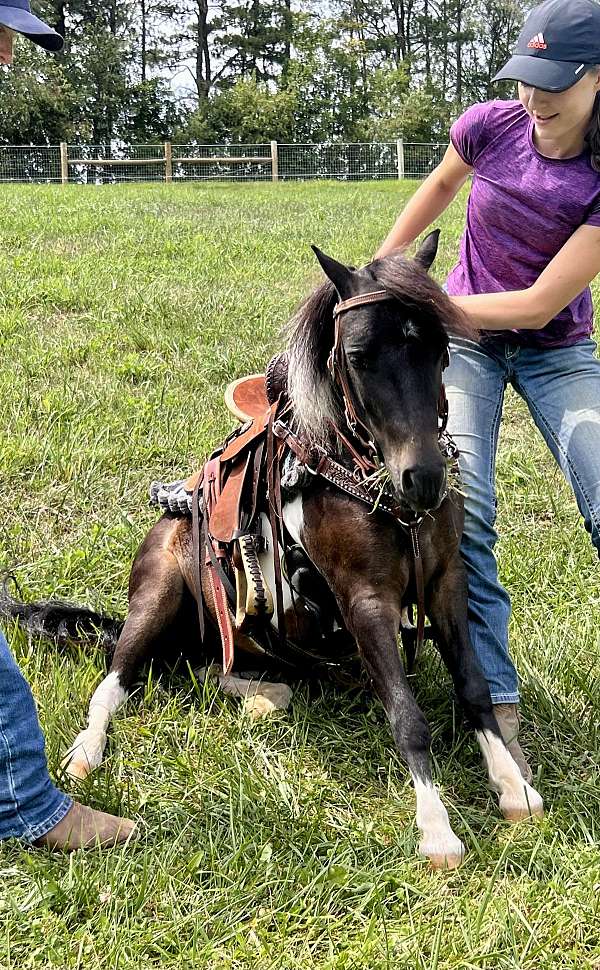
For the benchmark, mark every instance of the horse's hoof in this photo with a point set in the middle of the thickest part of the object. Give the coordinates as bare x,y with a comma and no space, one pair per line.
78,770
84,755
267,699
529,805
446,854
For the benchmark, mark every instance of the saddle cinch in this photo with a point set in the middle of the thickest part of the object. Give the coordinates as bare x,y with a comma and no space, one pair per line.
226,506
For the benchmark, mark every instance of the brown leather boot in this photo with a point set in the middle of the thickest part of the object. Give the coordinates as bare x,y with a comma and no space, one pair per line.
85,828
509,720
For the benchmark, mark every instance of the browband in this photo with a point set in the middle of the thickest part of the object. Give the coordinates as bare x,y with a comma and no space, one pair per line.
377,296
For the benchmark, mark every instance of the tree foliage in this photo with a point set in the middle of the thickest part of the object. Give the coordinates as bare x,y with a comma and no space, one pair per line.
244,70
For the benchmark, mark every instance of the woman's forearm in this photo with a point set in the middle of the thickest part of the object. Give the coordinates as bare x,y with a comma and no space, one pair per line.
511,310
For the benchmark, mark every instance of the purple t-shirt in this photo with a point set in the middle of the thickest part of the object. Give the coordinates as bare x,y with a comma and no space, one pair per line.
522,209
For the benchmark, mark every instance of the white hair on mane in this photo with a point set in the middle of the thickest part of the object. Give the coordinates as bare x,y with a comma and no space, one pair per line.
311,388
312,398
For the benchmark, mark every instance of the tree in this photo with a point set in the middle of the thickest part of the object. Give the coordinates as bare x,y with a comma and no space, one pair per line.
37,99
244,113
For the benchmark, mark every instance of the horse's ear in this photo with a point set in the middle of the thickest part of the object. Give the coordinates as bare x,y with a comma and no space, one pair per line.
427,251
340,275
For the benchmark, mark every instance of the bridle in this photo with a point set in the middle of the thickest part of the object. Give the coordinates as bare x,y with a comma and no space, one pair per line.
337,365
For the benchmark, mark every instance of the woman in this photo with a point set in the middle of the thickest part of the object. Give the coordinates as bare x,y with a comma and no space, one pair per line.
31,808
530,249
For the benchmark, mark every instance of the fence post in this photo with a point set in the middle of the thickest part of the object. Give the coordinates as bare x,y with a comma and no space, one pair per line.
400,153
168,162
64,163
274,162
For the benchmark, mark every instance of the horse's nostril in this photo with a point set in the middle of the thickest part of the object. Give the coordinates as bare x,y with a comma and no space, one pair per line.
407,481
422,487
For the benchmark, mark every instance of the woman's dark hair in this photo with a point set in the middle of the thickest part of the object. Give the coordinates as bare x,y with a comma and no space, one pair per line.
592,138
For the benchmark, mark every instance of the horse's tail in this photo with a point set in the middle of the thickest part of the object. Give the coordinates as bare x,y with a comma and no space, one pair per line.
59,620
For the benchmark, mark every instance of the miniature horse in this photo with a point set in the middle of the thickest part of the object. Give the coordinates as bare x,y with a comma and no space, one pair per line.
394,353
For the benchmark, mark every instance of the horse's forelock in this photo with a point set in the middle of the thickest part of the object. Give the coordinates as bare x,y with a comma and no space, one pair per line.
415,288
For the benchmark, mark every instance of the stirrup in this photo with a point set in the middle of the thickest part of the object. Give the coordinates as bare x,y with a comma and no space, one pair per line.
253,596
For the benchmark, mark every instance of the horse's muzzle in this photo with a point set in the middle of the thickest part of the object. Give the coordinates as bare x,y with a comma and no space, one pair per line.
423,488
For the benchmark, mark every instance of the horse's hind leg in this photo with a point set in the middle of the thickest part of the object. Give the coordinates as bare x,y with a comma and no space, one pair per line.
155,594
448,613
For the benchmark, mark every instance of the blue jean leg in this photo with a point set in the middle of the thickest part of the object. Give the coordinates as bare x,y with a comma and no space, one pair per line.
475,383
30,805
562,390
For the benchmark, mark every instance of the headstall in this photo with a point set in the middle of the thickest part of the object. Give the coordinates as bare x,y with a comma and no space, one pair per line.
338,368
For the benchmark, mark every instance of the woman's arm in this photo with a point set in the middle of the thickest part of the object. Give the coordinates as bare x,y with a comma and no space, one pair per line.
565,277
431,198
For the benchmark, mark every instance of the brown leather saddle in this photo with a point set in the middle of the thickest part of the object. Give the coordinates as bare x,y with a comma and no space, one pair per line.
246,398
233,490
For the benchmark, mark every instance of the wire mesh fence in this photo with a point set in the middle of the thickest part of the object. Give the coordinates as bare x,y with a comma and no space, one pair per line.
28,163
107,164
223,162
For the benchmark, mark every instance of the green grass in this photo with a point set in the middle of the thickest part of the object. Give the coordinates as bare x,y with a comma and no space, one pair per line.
287,843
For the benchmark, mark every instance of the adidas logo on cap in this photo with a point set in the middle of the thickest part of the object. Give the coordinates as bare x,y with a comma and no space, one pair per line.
538,42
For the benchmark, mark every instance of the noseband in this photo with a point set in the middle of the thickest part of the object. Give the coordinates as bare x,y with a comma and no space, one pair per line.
338,368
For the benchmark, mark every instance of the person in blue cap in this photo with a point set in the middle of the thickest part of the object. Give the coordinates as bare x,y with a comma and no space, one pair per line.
16,17
31,807
530,249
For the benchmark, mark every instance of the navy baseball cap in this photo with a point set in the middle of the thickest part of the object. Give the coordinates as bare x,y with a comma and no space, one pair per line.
17,15
559,42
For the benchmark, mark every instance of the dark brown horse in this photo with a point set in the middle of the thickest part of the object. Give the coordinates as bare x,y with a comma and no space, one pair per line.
393,352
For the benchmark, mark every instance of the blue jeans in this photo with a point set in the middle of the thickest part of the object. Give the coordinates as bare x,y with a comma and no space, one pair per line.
561,388
30,805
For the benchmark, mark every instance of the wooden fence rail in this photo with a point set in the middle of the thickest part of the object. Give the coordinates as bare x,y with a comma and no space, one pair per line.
167,160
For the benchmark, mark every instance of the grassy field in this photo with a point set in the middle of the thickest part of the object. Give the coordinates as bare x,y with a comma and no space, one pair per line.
286,843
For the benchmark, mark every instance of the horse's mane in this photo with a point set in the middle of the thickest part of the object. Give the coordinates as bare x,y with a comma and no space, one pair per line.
310,335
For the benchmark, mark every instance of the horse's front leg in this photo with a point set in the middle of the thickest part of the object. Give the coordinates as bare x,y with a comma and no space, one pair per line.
359,556
374,623
447,610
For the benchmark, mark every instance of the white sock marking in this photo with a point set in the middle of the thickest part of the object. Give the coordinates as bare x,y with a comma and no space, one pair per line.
87,749
517,798
438,841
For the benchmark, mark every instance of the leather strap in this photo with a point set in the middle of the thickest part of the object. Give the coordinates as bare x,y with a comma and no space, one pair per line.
240,441
212,487
420,585
377,296
196,553
255,484
274,487
224,518
320,463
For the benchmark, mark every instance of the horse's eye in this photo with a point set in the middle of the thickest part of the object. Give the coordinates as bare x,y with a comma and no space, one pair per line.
360,361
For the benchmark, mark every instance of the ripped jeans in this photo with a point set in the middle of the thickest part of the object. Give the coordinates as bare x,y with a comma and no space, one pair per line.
561,387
